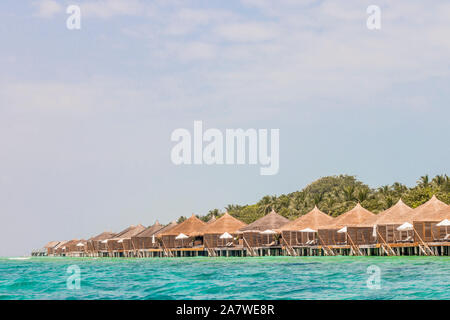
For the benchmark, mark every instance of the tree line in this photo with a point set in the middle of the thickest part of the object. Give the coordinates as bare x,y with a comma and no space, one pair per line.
335,195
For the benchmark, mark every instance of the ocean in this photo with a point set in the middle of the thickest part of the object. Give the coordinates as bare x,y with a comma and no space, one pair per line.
226,278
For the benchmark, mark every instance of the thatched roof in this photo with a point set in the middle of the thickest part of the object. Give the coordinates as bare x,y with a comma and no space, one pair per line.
435,216
428,209
314,219
358,216
271,221
148,232
103,236
129,232
72,242
188,227
397,214
61,244
171,225
51,244
213,218
225,223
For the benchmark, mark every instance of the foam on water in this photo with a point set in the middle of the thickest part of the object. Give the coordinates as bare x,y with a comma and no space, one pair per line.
227,278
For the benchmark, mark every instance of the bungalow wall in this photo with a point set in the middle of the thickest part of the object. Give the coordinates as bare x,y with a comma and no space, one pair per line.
171,242
127,245
330,237
144,243
360,236
428,231
257,239
296,238
115,245
390,234
214,241
72,247
101,246
90,247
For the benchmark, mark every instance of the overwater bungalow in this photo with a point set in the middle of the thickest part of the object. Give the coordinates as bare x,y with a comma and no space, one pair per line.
50,247
262,232
76,248
68,247
426,219
221,232
59,249
96,244
146,239
303,230
182,235
349,229
120,245
387,222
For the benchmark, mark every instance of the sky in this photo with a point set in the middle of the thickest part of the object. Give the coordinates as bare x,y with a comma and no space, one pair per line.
86,115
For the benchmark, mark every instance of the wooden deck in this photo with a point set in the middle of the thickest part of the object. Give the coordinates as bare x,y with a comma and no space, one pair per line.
394,249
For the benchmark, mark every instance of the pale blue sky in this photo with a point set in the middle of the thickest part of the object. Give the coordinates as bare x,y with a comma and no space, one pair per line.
86,115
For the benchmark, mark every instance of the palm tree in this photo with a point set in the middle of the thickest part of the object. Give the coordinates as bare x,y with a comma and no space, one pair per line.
439,180
348,193
181,219
267,204
318,198
362,194
384,190
399,188
389,201
213,213
330,201
424,181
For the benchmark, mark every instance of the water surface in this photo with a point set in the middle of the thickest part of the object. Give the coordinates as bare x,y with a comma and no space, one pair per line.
227,278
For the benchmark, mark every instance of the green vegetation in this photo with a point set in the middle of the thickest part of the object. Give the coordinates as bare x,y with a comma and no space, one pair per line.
338,194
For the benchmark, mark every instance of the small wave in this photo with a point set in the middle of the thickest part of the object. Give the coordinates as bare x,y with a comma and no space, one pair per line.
20,258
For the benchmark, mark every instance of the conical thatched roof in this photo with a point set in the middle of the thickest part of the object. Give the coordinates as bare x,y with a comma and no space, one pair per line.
51,244
103,236
61,244
428,209
397,214
434,215
213,218
314,219
225,223
119,234
271,221
188,227
358,216
148,232
171,225
72,242
129,232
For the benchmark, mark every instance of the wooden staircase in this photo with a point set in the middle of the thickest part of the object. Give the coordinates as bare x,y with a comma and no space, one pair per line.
423,247
211,252
326,249
386,247
354,248
166,251
250,249
289,249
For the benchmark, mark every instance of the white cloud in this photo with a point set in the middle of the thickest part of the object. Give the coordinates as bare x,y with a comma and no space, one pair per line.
247,32
47,8
292,52
111,8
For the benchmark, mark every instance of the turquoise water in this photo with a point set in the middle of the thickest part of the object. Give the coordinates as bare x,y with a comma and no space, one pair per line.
227,278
